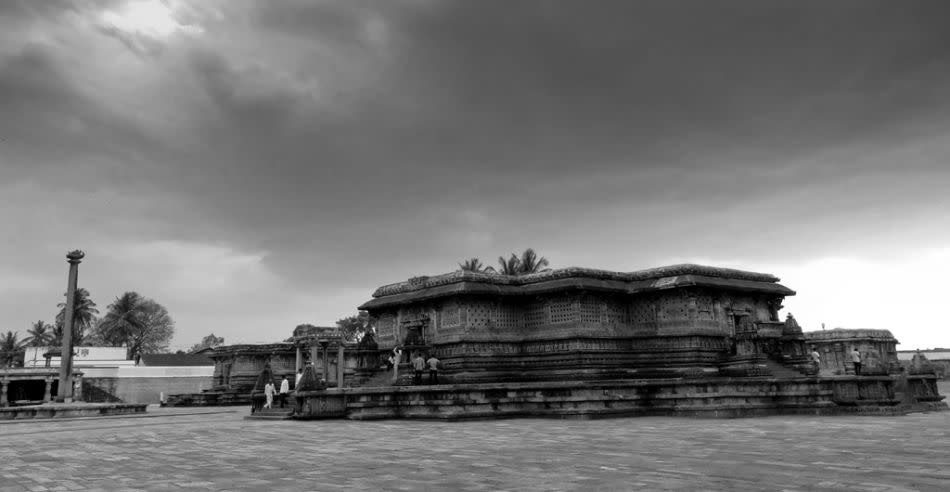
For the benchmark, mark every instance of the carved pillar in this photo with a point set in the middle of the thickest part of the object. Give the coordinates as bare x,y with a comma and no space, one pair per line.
77,389
326,363
340,369
299,363
3,392
314,357
48,395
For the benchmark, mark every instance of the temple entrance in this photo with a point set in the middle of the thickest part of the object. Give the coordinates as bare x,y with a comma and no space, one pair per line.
24,391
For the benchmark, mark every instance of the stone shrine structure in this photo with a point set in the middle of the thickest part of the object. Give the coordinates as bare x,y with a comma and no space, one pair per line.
677,340
581,323
878,350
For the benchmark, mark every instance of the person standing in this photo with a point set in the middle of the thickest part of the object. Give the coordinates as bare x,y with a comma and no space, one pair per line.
816,359
419,365
396,358
284,391
433,370
269,391
856,359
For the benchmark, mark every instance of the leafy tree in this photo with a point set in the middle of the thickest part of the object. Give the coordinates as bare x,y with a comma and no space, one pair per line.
40,335
475,265
10,349
84,315
531,263
138,323
209,341
354,326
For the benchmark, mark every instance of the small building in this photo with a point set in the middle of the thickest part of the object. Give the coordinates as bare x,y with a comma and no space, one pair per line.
33,385
939,360
878,349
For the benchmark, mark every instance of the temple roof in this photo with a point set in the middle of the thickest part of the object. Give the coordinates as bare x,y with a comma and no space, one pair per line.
849,333
223,350
675,276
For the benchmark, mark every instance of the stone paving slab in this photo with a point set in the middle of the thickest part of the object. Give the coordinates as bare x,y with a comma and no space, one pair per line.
217,449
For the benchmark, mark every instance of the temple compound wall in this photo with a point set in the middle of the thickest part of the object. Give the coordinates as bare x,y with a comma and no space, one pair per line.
582,323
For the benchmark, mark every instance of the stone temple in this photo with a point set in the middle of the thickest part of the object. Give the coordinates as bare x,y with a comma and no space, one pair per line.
677,340
684,320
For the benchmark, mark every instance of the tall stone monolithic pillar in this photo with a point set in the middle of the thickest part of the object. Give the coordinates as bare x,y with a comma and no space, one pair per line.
299,361
65,389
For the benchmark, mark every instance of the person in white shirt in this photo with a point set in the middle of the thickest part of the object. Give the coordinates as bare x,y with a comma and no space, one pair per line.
433,370
856,359
284,391
269,391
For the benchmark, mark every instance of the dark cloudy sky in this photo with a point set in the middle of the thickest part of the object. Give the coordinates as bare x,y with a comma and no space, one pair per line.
255,165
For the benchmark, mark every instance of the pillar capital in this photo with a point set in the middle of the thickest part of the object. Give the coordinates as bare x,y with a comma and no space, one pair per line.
75,256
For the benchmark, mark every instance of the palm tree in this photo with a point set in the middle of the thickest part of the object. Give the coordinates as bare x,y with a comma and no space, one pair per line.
124,317
84,314
10,348
510,267
475,265
531,263
40,335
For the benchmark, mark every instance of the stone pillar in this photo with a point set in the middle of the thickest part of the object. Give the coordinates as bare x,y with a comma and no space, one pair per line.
66,362
3,392
340,369
48,395
299,363
326,365
77,392
314,357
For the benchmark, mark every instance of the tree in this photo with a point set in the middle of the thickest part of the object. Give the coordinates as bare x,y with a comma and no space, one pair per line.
531,263
354,326
209,341
140,324
475,265
84,315
40,335
10,349
510,267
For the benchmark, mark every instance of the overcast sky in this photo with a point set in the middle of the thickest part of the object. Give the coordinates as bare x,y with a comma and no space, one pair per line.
256,165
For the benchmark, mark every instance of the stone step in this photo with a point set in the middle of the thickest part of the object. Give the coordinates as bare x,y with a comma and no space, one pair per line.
272,414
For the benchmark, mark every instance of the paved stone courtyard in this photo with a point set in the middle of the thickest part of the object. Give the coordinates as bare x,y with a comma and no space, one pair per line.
217,449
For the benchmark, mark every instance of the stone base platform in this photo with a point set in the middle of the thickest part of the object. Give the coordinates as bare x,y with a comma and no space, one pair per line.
209,399
705,397
70,410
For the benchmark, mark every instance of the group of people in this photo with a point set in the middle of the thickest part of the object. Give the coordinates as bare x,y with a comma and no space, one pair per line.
270,391
855,359
419,364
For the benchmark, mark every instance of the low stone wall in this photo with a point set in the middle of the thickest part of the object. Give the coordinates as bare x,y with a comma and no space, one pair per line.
709,397
144,384
52,411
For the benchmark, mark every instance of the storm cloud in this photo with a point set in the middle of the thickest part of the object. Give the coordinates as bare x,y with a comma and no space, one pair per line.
307,152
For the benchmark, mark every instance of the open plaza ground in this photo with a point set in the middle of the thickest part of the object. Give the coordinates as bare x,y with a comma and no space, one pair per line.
217,449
